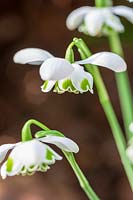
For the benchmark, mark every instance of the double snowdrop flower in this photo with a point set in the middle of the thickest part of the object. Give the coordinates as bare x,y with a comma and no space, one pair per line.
34,155
95,21
61,75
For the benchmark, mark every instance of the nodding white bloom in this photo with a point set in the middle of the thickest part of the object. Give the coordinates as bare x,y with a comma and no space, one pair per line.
61,75
94,21
130,0
28,157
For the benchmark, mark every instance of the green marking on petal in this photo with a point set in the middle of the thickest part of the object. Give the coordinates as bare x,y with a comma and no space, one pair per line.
9,165
84,84
57,89
49,155
66,84
44,167
29,173
44,86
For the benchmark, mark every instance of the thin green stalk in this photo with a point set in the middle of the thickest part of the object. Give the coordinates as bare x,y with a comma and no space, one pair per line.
103,3
108,109
123,85
26,135
80,176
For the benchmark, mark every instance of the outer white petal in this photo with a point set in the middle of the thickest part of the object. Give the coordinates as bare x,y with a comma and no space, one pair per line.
29,153
55,69
56,156
4,149
15,170
62,142
106,59
94,21
32,56
47,86
124,11
129,153
76,17
3,171
114,22
78,76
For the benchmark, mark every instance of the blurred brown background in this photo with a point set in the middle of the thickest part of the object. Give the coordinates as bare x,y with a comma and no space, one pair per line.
41,23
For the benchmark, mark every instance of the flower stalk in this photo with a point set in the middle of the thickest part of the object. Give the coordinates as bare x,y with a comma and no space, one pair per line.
108,109
123,85
80,176
103,3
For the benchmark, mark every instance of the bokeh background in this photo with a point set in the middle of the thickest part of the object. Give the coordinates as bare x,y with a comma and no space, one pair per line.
41,23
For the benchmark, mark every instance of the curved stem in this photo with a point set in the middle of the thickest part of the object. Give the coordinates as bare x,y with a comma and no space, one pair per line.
81,178
26,130
108,109
123,85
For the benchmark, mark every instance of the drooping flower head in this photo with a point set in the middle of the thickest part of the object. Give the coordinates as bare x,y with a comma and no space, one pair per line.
95,21
60,75
33,155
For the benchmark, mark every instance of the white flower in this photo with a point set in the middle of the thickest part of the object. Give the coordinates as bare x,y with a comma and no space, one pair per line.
130,0
93,20
65,76
28,157
129,150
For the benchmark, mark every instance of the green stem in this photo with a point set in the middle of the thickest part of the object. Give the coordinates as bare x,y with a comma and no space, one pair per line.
103,3
108,109
123,85
26,130
80,176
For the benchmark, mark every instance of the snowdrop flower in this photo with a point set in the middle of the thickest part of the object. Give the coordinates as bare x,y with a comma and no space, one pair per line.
94,21
130,0
60,74
34,155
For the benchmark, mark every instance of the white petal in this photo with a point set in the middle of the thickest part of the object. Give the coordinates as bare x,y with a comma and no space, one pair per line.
47,86
106,59
94,21
55,69
62,142
32,56
124,11
55,156
78,76
76,17
3,171
29,153
129,153
114,22
17,166
4,149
